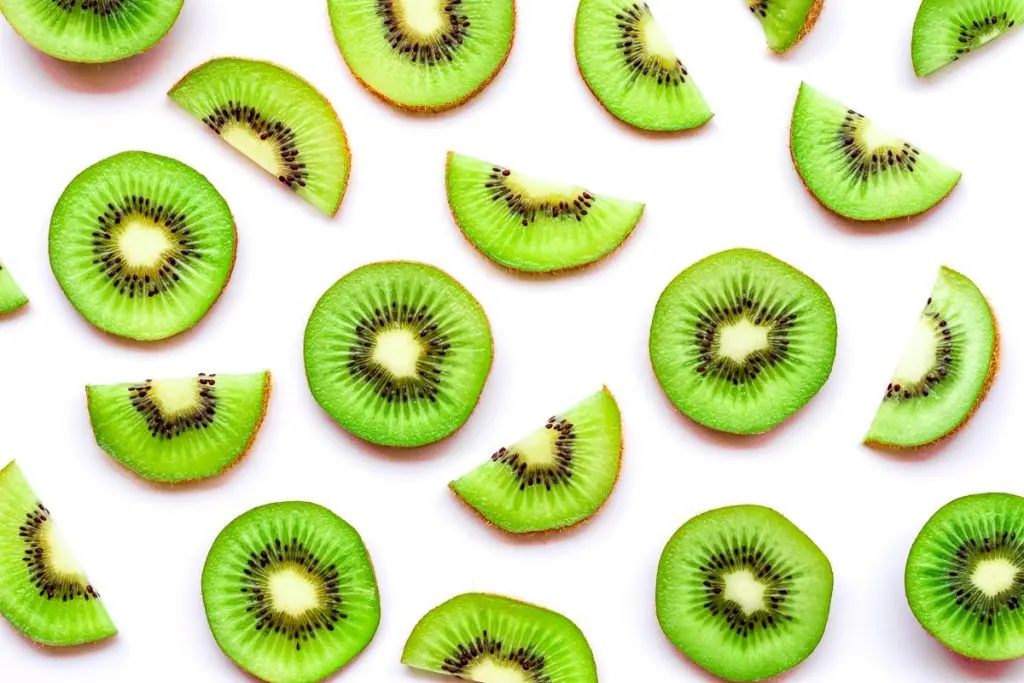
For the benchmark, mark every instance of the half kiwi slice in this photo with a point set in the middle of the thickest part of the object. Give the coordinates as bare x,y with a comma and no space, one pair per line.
946,30
629,64
398,353
424,54
142,245
11,296
740,341
529,224
290,592
743,592
480,637
785,22
946,369
43,591
858,170
277,120
965,576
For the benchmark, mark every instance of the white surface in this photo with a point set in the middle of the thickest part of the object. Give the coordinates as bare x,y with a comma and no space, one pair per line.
730,184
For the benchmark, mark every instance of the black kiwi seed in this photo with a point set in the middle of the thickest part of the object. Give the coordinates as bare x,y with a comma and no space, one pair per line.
759,7
100,7
771,571
863,162
549,475
971,550
440,47
292,172
168,427
527,209
51,585
971,32
465,655
637,57
945,353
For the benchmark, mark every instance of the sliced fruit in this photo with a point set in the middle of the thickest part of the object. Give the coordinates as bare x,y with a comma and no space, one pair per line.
11,296
947,30
785,22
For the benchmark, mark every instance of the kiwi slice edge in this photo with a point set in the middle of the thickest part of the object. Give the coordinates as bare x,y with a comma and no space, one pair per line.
945,30
12,298
781,31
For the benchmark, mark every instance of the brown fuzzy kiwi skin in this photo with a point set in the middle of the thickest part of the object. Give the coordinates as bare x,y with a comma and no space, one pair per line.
813,12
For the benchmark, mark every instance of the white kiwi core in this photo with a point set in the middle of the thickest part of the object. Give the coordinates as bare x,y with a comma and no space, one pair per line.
58,554
541,190
292,592
490,671
423,18
398,351
263,152
743,589
538,448
919,355
177,396
740,339
873,137
656,41
994,576
143,244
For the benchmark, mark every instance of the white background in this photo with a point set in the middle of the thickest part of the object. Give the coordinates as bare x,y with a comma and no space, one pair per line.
557,340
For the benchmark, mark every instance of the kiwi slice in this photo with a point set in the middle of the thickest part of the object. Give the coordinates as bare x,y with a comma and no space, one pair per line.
529,224
290,592
43,591
965,576
856,169
785,22
425,55
946,369
740,341
398,353
11,296
492,639
277,120
743,592
946,30
142,245
628,63
91,31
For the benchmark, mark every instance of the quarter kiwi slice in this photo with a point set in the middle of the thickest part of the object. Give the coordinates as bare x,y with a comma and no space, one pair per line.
743,592
277,120
43,591
740,341
946,368
398,353
965,576
785,22
529,224
629,64
946,30
493,639
858,170
424,55
11,296
142,245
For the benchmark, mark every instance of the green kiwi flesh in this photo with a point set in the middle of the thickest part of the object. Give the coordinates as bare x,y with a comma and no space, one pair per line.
785,22
743,592
965,576
11,296
947,30
946,368
277,120
529,224
43,591
856,169
493,639
740,341
290,592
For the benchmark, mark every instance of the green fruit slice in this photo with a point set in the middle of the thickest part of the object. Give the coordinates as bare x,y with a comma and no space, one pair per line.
11,296
785,22
947,30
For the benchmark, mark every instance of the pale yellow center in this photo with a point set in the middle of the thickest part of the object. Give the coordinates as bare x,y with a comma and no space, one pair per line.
58,553
176,396
541,190
143,244
742,338
873,137
987,36
423,18
919,355
538,448
657,42
398,351
743,589
291,592
490,671
264,152
994,576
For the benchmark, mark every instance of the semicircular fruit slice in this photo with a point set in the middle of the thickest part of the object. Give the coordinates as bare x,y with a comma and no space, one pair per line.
142,245
180,429
946,30
529,224
277,120
856,169
482,637
785,22
740,341
47,597
965,576
628,63
91,31
424,55
743,592
290,592
398,353
11,296
946,370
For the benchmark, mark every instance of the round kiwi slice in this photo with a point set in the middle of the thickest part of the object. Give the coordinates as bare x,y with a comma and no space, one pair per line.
785,22
483,637
740,341
11,296
629,64
856,169
946,369
290,592
91,31
427,55
946,30
534,225
398,353
43,591
142,245
965,576
277,120
743,592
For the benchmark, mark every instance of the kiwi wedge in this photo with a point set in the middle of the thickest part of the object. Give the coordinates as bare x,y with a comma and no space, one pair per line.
785,22
525,223
743,592
43,591
142,245
629,64
290,592
740,341
11,296
946,30
277,120
946,369
856,169
398,353
965,576
424,55
480,637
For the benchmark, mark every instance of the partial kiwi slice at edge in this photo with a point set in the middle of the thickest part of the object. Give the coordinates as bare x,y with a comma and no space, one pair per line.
11,296
945,31
785,22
